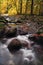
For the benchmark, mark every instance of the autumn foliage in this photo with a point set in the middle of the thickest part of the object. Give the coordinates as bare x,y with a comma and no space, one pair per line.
12,7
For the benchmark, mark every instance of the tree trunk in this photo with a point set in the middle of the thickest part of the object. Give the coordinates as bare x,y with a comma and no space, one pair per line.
26,6
41,8
20,6
32,8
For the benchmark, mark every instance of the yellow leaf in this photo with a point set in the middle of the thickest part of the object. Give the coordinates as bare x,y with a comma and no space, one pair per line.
12,11
3,6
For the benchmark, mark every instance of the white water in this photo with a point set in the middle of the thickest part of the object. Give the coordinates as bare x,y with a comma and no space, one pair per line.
22,57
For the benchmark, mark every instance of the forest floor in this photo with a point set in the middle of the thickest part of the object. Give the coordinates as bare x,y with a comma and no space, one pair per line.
35,22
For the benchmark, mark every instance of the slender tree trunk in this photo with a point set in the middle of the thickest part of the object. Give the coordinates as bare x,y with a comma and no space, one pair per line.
32,8
26,6
41,8
20,6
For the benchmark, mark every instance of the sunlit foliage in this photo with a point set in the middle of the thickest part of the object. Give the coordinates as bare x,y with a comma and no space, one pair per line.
12,7
3,6
36,6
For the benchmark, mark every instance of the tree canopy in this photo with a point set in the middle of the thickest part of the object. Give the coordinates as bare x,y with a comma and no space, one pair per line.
12,7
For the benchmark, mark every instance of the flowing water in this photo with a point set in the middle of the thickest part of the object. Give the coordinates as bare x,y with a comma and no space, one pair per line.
6,58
